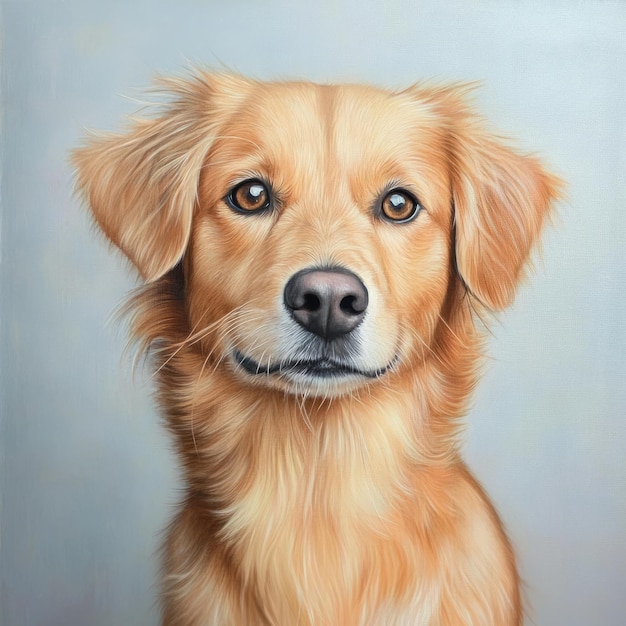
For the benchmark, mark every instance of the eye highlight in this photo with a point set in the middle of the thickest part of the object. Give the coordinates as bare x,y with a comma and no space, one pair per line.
398,205
250,196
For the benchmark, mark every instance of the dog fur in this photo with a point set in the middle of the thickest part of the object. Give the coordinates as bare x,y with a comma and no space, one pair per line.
315,499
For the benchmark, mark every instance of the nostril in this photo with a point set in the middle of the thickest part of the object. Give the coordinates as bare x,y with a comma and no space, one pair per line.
349,305
311,302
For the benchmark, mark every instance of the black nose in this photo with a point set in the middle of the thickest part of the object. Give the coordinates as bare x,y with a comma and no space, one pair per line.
329,302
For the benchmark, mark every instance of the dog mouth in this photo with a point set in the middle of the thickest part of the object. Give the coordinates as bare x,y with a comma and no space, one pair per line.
312,368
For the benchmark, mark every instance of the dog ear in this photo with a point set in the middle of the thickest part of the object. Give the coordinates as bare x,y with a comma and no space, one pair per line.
501,200
141,186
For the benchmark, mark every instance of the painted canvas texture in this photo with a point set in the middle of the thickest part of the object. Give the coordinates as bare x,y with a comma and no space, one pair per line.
90,478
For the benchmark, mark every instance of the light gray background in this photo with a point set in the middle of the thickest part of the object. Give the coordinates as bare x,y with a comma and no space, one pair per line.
88,479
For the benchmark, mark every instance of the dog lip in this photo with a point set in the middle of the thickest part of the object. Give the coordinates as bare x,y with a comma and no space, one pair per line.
321,368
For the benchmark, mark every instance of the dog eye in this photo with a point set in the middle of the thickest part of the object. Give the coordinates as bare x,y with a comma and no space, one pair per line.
250,196
399,206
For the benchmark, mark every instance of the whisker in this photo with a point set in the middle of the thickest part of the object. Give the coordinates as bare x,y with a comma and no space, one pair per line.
445,323
415,334
182,345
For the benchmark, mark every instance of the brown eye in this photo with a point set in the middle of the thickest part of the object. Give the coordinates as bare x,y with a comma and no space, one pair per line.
251,196
399,206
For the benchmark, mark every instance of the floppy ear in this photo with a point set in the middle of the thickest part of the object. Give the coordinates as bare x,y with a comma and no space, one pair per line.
141,186
501,199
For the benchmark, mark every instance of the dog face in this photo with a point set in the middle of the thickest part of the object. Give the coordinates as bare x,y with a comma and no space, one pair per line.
323,283
321,228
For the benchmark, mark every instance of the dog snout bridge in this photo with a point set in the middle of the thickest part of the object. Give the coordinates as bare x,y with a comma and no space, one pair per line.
327,302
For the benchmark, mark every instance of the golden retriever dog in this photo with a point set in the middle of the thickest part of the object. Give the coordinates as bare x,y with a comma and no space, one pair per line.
314,259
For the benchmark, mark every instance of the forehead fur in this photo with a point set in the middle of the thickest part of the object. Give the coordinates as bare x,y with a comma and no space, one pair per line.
348,120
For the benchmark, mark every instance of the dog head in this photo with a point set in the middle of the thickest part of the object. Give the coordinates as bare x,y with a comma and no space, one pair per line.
320,229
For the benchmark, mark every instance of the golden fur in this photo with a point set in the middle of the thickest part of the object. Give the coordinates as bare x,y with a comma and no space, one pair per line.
338,500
